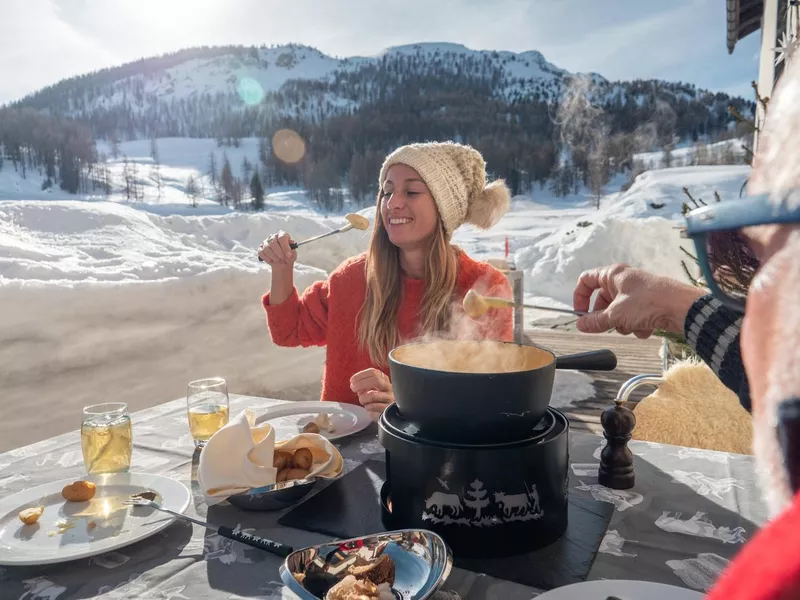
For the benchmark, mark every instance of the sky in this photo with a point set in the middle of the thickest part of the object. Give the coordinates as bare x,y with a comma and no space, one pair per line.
44,41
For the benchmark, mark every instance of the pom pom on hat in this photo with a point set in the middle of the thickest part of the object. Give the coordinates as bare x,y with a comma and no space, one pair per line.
486,210
456,176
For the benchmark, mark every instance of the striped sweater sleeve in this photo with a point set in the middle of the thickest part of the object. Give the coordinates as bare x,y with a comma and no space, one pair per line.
712,331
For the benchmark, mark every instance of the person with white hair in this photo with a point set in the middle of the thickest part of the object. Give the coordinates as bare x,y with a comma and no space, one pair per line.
768,567
747,333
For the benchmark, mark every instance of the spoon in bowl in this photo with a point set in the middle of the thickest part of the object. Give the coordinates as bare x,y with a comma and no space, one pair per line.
354,221
476,305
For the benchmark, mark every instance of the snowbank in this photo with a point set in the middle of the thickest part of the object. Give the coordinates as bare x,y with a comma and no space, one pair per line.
90,240
69,242
553,265
660,193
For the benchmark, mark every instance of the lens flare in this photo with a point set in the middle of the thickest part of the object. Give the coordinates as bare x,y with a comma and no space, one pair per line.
250,91
288,146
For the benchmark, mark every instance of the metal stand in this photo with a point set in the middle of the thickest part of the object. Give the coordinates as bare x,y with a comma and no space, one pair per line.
517,279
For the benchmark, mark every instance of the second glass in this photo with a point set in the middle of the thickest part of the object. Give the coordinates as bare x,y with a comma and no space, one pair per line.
106,438
208,409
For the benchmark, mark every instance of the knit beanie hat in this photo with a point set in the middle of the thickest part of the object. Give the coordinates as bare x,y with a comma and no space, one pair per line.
456,176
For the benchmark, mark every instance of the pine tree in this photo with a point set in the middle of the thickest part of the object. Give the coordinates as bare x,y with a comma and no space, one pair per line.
226,182
126,173
257,192
247,169
263,151
114,145
192,190
212,168
666,157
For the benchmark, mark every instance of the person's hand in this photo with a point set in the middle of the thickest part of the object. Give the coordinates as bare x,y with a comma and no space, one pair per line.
632,301
275,251
374,391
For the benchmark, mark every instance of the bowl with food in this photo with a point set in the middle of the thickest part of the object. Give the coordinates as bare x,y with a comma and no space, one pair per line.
299,463
405,564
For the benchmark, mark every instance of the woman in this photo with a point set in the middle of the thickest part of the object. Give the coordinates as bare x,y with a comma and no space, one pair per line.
408,284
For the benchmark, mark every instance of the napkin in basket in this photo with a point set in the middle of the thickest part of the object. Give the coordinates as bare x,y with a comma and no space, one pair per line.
239,456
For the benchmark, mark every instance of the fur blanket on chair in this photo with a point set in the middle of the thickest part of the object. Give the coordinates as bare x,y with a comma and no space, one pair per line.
693,408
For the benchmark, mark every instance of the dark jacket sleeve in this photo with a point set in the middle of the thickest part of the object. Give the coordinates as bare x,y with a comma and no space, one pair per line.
712,331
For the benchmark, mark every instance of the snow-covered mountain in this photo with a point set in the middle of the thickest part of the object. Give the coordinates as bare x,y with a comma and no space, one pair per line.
247,74
241,91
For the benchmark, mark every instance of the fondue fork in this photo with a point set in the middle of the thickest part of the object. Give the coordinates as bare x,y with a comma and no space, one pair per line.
255,541
354,221
476,305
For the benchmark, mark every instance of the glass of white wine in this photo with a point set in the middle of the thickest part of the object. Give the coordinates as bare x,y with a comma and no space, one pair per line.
207,403
107,438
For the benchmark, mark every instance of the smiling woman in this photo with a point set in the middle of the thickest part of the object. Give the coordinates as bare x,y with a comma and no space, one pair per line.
409,284
408,210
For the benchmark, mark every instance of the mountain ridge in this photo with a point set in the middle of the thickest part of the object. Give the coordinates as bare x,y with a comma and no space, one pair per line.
534,122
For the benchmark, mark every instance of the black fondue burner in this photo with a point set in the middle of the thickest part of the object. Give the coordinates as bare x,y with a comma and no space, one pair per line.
485,500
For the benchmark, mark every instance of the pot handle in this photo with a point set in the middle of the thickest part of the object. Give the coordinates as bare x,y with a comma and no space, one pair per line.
595,360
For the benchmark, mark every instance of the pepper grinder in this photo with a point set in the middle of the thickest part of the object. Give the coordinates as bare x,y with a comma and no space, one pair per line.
616,459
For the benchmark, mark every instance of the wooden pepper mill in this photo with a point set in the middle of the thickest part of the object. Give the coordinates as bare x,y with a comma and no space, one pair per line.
616,459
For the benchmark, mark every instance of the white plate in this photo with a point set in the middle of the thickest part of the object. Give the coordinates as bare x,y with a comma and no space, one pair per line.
115,525
289,418
623,589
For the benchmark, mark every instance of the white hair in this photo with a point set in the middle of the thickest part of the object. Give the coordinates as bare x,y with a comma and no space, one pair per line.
776,325
776,166
770,471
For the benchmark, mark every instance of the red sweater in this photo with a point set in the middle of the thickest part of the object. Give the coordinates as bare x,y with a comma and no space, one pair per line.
327,314
768,566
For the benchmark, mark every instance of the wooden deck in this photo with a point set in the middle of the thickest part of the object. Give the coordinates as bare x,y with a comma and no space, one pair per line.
634,357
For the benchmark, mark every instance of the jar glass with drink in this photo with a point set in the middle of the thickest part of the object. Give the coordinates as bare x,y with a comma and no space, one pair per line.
207,404
107,438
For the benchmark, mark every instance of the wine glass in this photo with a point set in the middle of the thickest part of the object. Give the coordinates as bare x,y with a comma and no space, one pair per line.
208,408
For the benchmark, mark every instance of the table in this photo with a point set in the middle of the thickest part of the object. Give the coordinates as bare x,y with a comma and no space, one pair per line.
689,513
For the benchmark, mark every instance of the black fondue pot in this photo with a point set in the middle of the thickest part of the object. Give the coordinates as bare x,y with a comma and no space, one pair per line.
500,396
485,500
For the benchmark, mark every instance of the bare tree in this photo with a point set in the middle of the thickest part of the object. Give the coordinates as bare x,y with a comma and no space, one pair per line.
599,162
192,190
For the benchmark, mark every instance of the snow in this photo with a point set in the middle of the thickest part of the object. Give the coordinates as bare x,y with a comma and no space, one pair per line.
78,242
683,156
554,240
49,238
249,75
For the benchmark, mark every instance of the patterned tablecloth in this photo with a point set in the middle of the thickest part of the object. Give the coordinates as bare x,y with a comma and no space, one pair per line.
689,513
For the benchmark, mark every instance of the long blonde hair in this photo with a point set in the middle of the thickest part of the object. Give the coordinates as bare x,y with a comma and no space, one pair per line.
377,328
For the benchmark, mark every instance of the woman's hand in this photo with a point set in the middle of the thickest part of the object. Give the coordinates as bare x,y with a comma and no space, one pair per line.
632,301
275,251
374,391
